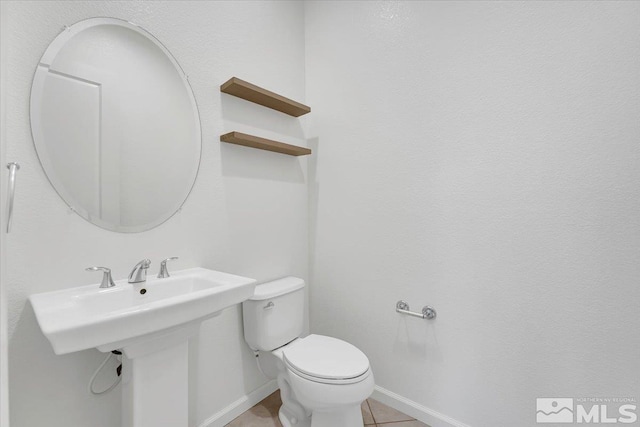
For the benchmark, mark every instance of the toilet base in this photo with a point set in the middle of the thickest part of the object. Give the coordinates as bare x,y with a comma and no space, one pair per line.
350,416
345,417
289,420
291,413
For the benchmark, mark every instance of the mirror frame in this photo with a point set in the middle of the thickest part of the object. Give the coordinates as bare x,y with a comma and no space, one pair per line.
38,138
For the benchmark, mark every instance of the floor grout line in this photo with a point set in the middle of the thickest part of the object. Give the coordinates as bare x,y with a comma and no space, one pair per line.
371,412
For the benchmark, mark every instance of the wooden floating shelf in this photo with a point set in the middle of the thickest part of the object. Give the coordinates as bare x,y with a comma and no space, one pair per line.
253,93
263,144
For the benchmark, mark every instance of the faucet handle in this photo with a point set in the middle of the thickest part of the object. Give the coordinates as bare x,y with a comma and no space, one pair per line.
163,268
107,280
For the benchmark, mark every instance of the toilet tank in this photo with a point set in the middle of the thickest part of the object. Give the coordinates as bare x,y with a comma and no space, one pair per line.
274,315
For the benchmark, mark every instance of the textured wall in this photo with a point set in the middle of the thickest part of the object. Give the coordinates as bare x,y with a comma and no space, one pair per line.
246,215
482,158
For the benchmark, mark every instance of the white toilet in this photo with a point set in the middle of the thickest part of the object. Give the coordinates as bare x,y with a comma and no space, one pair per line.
322,380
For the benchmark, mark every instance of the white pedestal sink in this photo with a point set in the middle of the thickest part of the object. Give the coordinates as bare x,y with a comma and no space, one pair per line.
151,324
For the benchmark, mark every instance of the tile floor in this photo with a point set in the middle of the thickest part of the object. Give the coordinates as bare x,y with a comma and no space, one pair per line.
374,413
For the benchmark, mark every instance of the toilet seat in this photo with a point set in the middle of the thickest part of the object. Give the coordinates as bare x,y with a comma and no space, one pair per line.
326,360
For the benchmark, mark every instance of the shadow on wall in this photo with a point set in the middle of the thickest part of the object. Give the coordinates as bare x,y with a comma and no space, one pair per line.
246,162
37,360
241,112
314,193
417,340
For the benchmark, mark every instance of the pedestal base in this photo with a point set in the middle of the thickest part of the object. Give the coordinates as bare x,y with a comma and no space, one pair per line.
155,381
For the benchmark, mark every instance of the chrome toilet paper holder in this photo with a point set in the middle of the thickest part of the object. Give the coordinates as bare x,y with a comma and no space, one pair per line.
428,312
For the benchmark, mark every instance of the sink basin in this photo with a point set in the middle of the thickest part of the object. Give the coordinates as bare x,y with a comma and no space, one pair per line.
107,319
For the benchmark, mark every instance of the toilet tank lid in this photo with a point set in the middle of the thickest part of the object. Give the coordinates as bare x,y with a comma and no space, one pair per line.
277,287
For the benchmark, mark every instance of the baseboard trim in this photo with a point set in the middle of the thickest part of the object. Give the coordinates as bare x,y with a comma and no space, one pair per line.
402,404
228,414
414,409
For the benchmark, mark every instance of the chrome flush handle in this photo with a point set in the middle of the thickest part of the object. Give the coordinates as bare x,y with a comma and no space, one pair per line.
107,280
164,273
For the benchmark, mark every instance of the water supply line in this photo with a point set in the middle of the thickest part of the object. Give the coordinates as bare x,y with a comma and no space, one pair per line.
95,375
256,353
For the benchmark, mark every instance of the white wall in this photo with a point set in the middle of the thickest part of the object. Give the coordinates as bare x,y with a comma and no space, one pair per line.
246,215
482,158
4,366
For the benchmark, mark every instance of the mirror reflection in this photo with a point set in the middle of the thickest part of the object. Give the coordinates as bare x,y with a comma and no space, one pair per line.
115,125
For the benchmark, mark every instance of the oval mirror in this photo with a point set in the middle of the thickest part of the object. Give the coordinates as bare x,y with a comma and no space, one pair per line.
115,125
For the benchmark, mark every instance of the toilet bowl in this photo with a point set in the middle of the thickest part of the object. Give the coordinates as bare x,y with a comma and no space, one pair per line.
323,380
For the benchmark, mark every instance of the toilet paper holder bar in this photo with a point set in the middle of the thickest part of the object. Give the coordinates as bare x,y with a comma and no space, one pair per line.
428,312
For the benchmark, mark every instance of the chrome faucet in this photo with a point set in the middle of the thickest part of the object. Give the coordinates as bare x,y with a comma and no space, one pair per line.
139,272
107,280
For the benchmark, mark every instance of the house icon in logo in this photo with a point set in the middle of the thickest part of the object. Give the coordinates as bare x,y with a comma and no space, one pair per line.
554,410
